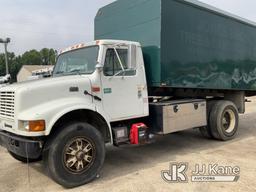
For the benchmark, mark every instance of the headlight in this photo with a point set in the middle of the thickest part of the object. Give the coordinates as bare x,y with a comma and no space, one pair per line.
34,126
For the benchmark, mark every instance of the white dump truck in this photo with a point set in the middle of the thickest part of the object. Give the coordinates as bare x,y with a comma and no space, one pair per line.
168,74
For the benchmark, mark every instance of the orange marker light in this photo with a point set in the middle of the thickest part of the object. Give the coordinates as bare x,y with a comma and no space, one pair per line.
37,126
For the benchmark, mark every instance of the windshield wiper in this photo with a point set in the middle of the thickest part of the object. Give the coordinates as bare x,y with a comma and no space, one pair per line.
72,72
78,71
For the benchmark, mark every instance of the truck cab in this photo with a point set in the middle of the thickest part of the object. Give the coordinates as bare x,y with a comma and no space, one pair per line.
105,76
98,84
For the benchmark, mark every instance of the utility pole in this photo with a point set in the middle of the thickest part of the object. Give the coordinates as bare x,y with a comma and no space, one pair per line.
5,42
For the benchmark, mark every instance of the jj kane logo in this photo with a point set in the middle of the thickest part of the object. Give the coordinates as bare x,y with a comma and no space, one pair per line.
177,173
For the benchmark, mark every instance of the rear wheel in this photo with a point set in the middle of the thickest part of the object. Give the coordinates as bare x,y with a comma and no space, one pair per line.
206,131
76,155
224,120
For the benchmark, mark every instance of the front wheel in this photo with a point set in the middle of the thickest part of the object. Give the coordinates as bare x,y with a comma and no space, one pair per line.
76,155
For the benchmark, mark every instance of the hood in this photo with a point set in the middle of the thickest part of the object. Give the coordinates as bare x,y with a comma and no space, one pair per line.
32,93
40,82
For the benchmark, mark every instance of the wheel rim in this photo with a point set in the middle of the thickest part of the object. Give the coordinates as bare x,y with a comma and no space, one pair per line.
78,155
229,121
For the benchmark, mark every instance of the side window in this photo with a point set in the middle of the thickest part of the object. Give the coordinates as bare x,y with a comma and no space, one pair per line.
112,65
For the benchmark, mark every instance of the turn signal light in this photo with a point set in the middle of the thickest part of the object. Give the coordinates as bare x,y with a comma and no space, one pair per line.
37,126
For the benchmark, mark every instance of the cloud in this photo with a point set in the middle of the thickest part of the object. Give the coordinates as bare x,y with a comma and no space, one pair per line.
44,23
241,8
57,24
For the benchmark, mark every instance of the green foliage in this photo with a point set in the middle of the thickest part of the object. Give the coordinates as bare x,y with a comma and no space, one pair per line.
47,56
32,57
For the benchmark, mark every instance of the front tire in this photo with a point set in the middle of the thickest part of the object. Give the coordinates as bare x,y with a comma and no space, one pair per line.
76,155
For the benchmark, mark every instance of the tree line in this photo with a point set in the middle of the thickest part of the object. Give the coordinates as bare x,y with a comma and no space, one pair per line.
33,57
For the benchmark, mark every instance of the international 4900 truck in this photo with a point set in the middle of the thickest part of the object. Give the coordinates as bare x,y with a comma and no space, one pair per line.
167,66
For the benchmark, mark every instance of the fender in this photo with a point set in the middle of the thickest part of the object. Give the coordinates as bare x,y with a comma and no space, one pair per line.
52,111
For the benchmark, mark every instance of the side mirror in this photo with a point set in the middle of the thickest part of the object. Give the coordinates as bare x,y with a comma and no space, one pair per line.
99,67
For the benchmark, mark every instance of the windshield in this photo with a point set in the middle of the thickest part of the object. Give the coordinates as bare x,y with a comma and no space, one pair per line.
81,61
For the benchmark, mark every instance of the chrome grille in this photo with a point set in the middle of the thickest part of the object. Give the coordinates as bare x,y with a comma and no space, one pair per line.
7,104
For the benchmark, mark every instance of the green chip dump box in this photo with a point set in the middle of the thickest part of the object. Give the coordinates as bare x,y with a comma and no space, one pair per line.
186,43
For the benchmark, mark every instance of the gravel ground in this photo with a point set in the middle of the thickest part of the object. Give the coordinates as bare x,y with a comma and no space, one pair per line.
139,168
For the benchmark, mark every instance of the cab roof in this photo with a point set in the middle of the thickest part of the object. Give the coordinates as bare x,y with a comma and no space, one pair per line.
99,42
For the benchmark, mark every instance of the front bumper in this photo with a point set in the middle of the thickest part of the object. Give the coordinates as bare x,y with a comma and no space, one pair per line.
21,146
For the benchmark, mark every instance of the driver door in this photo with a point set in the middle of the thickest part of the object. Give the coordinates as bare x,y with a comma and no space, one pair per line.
121,84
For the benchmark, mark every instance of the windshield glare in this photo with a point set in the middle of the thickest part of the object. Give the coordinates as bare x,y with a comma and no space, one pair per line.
81,61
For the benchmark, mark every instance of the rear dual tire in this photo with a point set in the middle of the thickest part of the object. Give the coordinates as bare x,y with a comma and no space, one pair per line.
206,131
223,120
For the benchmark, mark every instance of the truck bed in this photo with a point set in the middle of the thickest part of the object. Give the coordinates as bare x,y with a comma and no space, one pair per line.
186,44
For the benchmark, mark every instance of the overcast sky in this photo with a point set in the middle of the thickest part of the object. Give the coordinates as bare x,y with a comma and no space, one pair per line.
34,24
